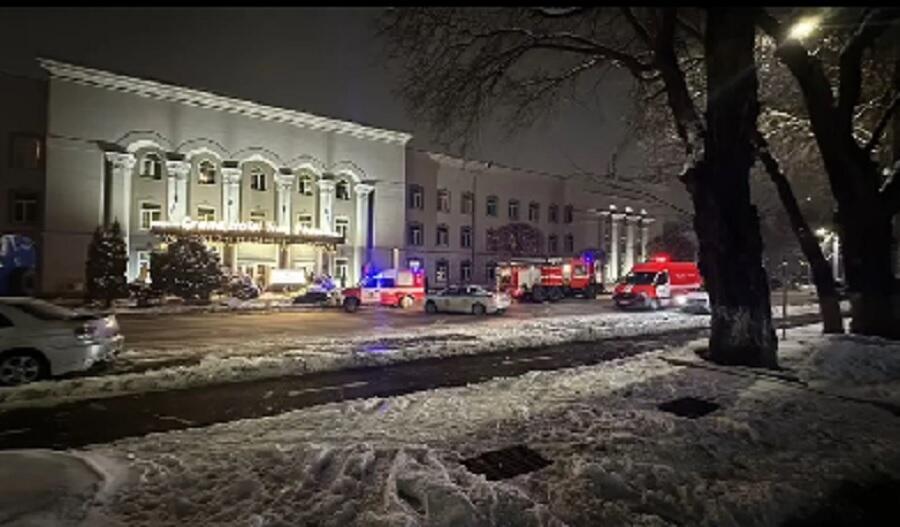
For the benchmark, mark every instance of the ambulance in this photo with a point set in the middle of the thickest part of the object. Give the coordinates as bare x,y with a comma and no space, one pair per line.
657,283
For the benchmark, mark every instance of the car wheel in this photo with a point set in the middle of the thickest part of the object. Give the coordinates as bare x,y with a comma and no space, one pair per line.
22,367
351,304
538,294
478,309
654,304
406,302
430,307
501,311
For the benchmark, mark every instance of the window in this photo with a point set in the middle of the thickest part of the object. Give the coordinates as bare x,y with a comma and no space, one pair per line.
24,209
465,271
305,221
258,180
553,214
340,226
143,263
206,173
552,244
151,167
414,234
150,212
492,206
258,216
570,243
468,199
443,200
305,185
26,151
340,267
567,214
534,211
490,271
205,213
465,237
442,271
342,191
514,209
443,236
415,197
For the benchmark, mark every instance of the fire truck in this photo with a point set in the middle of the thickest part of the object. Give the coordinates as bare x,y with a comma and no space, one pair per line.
540,279
392,287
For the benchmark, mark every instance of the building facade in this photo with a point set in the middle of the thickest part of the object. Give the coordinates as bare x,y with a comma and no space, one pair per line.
143,153
265,186
453,206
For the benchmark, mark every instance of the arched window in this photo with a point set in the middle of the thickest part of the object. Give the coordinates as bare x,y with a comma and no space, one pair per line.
206,173
342,190
151,166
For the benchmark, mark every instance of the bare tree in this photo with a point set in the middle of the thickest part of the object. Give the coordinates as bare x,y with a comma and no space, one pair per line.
837,98
461,66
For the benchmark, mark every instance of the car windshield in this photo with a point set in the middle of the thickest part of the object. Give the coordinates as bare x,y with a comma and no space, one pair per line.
46,311
643,278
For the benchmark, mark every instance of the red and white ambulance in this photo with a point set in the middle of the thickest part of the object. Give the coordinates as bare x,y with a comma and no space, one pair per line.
391,287
657,283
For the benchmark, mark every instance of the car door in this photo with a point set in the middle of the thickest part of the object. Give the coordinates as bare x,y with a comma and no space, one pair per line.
443,299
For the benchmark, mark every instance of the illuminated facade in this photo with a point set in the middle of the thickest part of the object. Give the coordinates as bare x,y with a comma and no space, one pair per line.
151,155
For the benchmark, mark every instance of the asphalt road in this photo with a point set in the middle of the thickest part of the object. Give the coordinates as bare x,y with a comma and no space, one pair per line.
81,423
173,331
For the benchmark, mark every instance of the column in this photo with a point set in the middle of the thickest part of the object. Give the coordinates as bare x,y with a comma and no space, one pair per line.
119,193
231,195
615,219
283,187
362,191
326,204
645,228
835,256
630,221
176,197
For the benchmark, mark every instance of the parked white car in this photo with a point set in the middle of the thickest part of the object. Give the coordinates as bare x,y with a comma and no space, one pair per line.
695,302
39,340
472,299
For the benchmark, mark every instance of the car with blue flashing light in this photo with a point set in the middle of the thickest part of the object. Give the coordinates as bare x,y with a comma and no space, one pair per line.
39,340
470,299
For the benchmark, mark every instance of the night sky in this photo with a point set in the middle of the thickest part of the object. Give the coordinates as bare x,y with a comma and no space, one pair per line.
323,61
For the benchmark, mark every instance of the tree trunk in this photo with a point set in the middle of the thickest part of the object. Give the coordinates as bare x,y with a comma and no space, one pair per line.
867,236
726,222
829,303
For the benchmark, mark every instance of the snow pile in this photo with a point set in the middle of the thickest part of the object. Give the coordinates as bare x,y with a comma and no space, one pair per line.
773,451
47,488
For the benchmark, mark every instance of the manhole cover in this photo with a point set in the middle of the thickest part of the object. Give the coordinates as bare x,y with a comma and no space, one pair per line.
689,407
506,463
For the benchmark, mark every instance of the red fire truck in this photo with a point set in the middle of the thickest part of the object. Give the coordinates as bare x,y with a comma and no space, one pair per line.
539,279
391,287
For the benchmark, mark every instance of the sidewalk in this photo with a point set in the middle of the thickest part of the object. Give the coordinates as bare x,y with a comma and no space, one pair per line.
775,448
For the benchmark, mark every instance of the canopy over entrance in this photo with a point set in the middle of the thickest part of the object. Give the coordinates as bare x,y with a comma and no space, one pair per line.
252,232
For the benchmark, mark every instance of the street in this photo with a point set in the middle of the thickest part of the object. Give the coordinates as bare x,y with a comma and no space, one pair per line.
73,425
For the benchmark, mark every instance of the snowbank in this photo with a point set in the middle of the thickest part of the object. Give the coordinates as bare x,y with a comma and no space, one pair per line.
47,488
299,355
772,450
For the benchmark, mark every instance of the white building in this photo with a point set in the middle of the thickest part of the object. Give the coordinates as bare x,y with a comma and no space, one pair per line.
333,195
139,151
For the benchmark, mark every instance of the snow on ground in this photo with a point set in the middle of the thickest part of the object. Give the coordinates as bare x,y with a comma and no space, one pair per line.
772,451
299,355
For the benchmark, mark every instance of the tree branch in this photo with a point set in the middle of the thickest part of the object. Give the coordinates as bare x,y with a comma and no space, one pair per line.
851,59
560,12
882,124
637,26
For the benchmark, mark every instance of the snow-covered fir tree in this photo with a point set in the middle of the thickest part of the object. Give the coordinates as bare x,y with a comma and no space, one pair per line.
188,269
106,265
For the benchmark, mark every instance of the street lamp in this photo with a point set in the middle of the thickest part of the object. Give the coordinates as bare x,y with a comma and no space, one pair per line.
803,28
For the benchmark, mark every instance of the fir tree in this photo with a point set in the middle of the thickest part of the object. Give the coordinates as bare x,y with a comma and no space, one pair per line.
106,265
188,269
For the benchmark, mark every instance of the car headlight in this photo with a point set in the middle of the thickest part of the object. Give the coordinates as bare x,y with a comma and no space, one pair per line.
680,300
